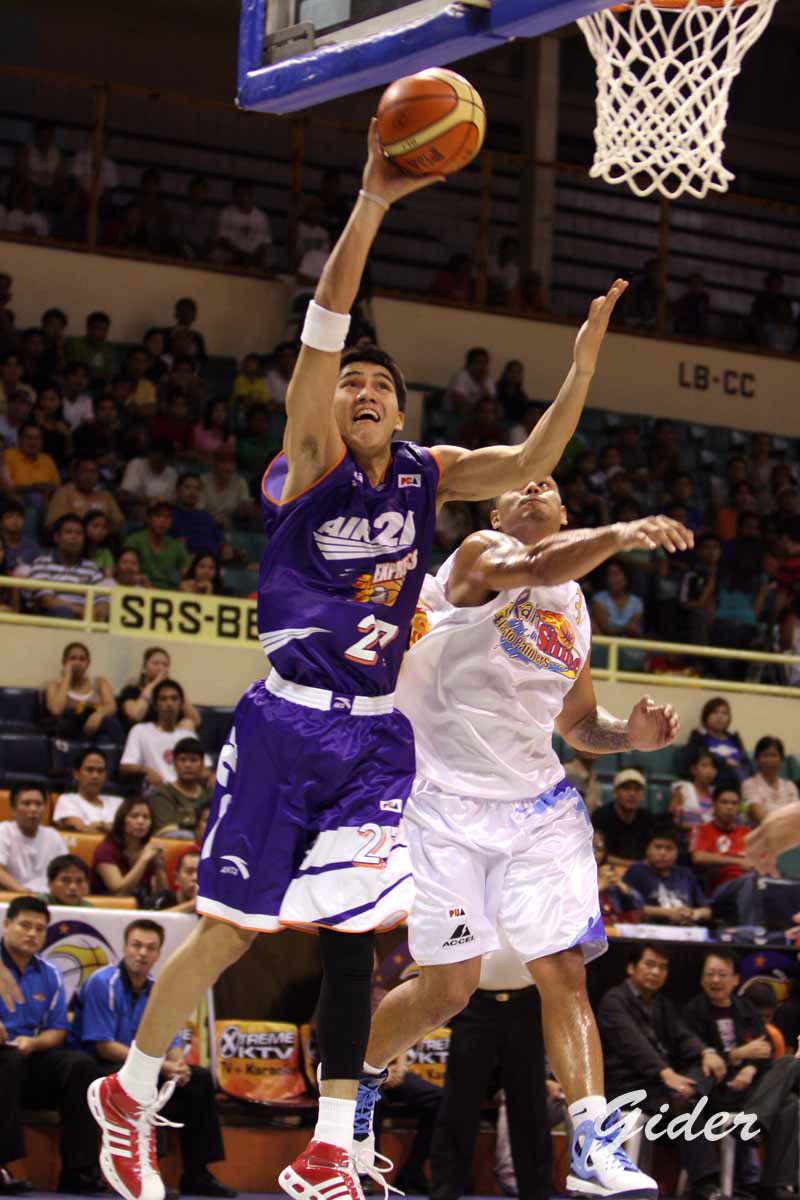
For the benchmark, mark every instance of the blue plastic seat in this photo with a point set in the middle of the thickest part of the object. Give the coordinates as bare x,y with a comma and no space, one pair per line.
25,757
214,727
19,710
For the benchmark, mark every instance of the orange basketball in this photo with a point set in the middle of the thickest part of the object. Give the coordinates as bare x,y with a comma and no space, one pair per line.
431,123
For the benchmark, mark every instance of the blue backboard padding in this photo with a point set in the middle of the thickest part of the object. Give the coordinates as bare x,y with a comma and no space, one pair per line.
339,69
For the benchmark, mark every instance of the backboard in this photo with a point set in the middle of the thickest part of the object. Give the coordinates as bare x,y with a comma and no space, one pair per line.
297,53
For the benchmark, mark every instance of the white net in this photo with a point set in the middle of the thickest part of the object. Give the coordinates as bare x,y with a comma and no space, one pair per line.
663,82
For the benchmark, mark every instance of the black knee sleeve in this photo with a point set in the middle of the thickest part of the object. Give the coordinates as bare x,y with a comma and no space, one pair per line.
343,1018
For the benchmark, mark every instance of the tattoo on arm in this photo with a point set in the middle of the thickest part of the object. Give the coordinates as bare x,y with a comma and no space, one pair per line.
600,733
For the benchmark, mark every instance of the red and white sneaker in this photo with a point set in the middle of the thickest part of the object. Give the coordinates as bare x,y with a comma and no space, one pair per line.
128,1152
322,1172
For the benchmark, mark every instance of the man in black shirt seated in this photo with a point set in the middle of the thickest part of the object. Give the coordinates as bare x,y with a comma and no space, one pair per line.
624,823
732,1025
647,1045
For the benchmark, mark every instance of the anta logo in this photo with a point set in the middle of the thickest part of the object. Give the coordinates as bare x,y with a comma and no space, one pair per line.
456,912
536,635
239,867
384,584
353,537
459,937
409,481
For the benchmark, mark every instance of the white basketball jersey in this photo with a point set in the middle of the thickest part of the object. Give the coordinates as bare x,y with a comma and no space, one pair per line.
484,686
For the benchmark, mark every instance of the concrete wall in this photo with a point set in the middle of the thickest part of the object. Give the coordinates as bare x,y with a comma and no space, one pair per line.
239,313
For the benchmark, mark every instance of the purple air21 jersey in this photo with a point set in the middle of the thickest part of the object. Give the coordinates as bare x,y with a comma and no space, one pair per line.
312,783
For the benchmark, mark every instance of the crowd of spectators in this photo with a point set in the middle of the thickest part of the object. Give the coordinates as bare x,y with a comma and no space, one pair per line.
119,466
738,588
687,865
720,1047
132,468
682,869
133,773
47,195
50,1055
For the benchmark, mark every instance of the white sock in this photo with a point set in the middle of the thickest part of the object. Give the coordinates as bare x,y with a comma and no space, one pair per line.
335,1122
589,1108
368,1070
139,1074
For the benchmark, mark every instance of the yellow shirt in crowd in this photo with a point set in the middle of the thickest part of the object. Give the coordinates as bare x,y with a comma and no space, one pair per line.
28,472
250,391
143,398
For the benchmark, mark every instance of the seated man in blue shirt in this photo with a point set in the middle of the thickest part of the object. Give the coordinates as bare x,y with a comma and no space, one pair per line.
35,1069
108,1009
670,893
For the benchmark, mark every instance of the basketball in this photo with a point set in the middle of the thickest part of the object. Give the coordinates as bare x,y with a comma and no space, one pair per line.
431,123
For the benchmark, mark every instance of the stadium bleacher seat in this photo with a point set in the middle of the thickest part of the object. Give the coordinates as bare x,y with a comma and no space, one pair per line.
239,581
83,844
657,765
19,710
215,726
64,755
97,901
249,542
24,758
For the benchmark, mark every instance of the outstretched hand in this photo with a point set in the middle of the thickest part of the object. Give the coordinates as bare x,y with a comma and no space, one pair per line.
778,832
652,726
382,178
591,333
650,532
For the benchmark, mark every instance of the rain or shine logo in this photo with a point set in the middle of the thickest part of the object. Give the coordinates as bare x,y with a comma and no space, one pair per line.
536,635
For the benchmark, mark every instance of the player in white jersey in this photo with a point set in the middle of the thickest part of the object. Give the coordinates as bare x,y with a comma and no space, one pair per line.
497,837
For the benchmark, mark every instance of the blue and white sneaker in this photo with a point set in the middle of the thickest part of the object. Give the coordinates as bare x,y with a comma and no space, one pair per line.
364,1154
600,1167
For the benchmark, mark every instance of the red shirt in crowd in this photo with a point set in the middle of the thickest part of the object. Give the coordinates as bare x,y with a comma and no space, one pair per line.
713,840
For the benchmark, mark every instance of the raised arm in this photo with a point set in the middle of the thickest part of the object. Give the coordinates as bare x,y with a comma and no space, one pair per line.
480,474
312,442
490,561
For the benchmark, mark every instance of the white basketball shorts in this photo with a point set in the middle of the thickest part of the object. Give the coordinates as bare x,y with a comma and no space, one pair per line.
525,866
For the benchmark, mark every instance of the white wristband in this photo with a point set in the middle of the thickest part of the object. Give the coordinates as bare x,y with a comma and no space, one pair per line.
379,200
323,329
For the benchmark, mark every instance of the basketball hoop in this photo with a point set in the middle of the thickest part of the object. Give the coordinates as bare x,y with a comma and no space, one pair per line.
664,72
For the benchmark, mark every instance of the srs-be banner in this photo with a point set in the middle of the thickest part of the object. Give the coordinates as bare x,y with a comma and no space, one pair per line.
204,619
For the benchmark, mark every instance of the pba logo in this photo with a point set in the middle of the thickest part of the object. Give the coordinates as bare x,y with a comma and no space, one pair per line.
538,636
409,481
456,912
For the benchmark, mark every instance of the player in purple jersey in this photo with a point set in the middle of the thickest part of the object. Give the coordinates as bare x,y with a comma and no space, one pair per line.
312,781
